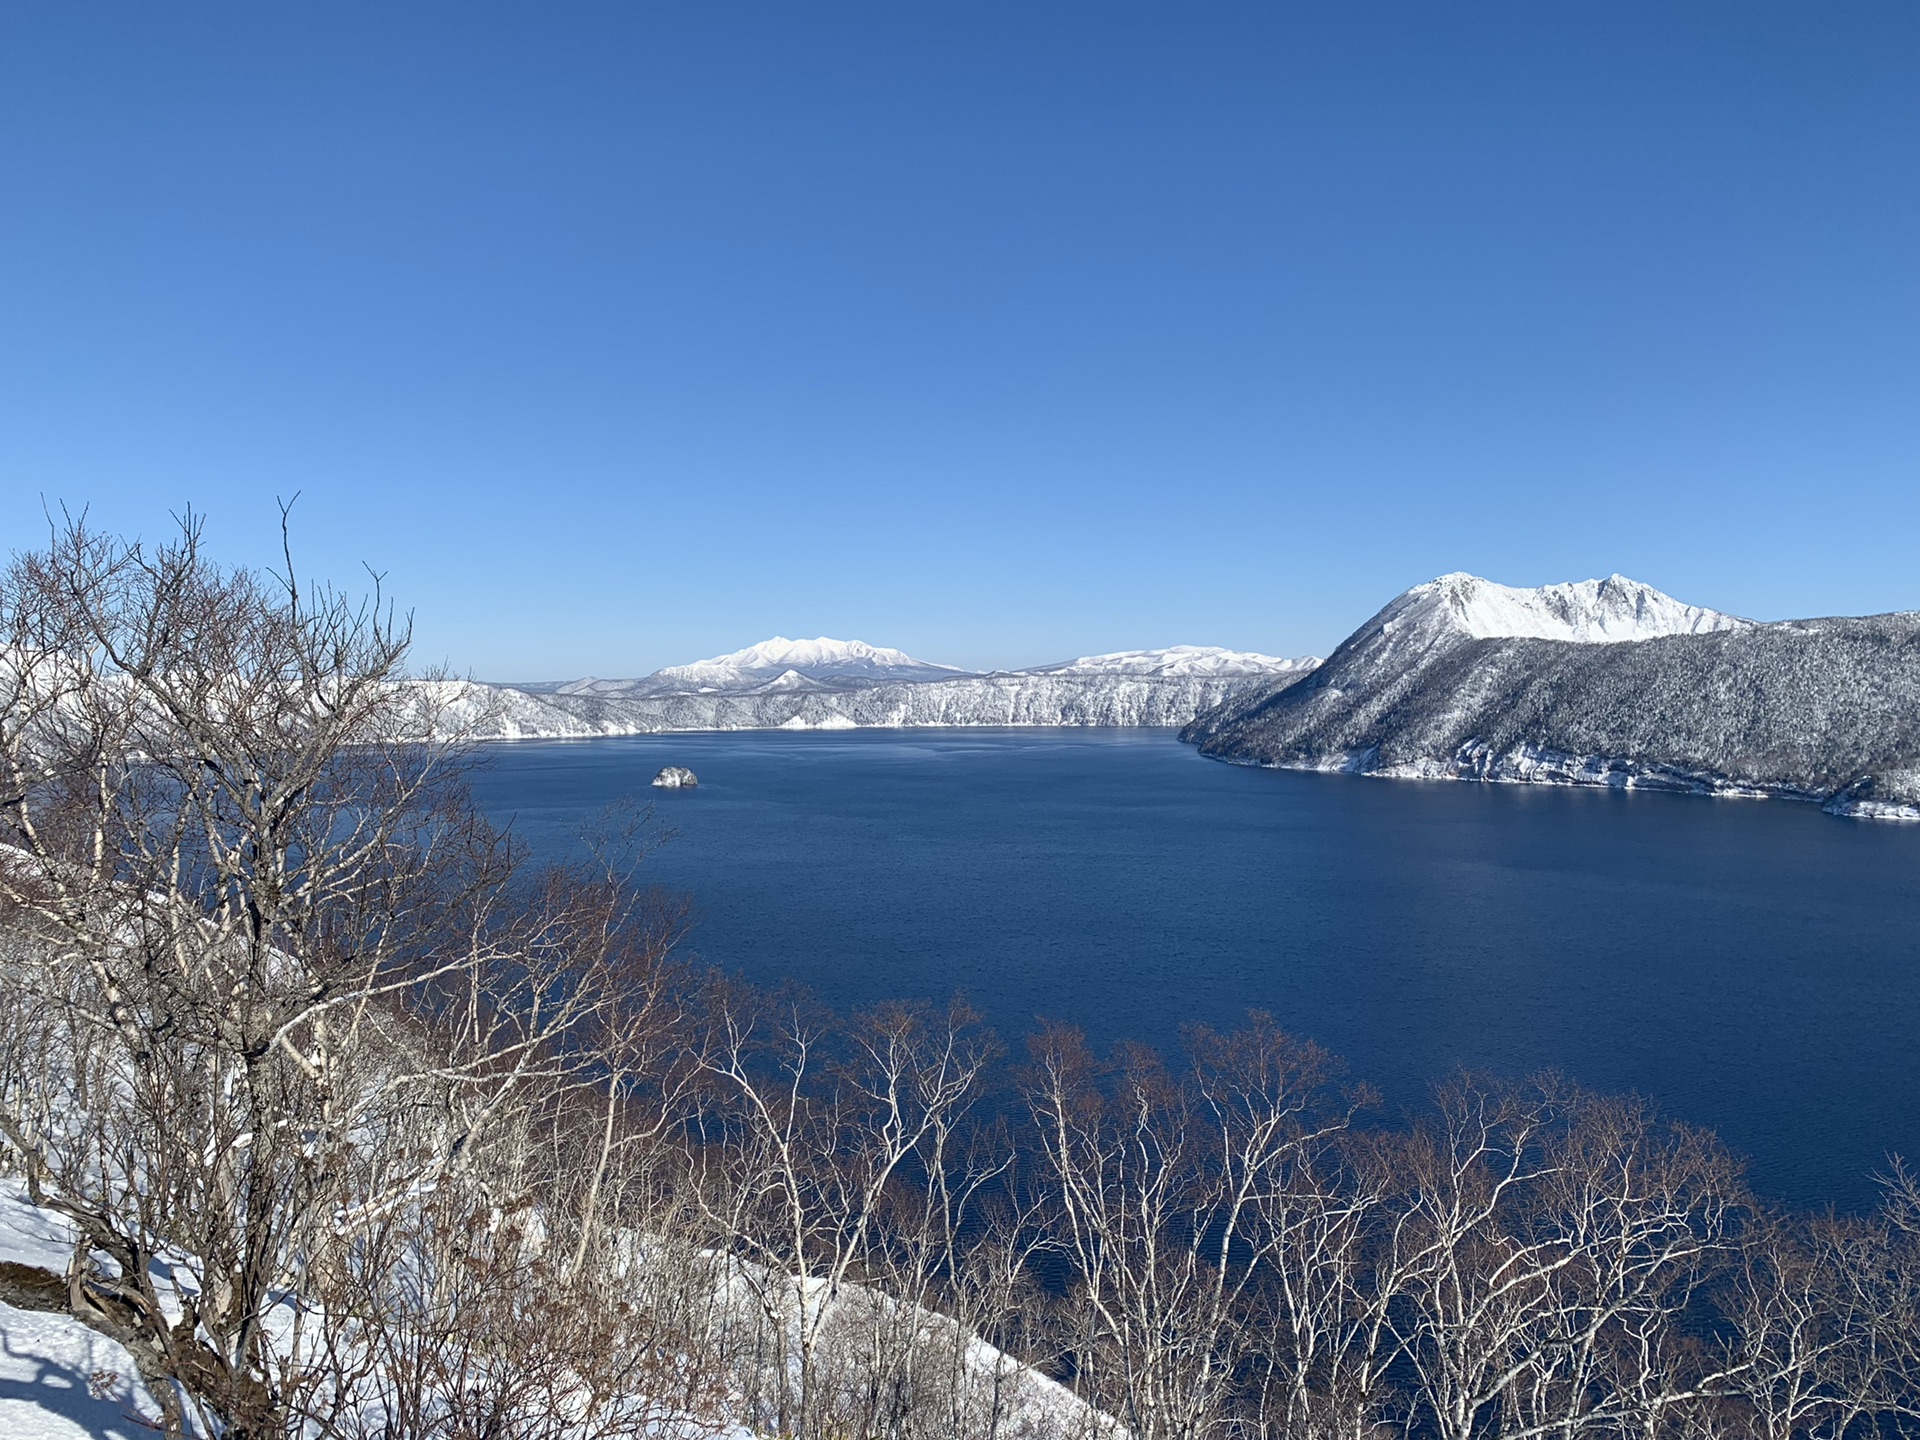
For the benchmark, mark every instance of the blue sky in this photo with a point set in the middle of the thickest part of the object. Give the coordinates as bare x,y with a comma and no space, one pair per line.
620,334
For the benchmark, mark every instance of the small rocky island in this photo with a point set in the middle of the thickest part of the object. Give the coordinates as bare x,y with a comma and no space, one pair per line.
676,777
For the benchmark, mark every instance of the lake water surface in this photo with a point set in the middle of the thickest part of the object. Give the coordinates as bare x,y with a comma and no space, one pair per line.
1752,965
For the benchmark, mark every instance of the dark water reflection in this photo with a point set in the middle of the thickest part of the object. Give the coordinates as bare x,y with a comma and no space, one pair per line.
1754,966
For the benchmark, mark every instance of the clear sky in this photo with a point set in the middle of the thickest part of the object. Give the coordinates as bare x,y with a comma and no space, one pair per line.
620,334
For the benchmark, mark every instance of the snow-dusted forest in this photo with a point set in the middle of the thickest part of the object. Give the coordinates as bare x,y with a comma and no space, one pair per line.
327,1113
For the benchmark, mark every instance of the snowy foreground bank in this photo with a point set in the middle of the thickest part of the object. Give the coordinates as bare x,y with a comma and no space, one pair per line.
60,1380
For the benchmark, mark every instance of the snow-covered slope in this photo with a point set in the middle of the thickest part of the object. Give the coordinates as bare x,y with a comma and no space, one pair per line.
1136,687
1604,682
1589,611
60,1380
500,712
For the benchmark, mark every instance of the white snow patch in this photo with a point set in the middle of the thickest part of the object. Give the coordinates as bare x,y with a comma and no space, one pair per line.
1872,810
58,1379
823,722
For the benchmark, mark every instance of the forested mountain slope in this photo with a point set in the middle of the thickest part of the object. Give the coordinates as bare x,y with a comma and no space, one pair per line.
1825,710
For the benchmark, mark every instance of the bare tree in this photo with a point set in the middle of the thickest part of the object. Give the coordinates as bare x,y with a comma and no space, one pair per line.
1823,1333
1185,1203
805,1140
1550,1243
270,978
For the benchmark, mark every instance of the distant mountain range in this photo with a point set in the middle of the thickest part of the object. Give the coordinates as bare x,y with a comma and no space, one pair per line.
1599,682
825,684
1604,682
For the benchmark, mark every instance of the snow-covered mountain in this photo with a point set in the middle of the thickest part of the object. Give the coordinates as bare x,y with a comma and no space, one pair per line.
1603,682
845,684
778,663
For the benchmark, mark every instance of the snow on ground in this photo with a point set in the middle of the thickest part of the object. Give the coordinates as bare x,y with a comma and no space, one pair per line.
1031,1403
58,1379
61,1381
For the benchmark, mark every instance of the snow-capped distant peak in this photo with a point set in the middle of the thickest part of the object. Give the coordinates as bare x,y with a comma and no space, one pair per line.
1183,661
1607,611
805,657
780,653
775,665
778,664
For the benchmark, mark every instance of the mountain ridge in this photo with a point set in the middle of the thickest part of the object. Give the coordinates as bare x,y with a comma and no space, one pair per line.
854,664
1166,688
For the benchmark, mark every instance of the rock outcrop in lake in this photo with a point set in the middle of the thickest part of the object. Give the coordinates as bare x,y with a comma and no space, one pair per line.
676,777
1606,682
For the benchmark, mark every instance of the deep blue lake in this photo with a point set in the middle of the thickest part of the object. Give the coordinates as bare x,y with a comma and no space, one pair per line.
1752,965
